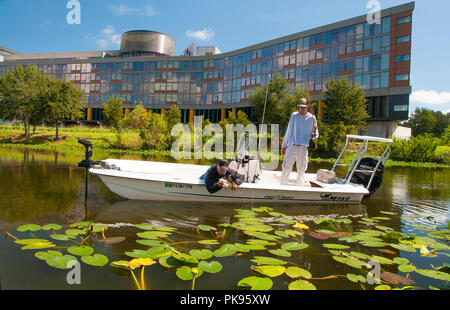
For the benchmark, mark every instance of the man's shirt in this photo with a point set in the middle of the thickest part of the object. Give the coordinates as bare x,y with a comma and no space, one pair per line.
299,129
212,176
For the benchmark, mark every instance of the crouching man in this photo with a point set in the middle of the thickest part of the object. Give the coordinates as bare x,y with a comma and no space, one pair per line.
219,176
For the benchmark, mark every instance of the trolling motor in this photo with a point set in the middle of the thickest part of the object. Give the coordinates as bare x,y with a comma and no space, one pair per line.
87,162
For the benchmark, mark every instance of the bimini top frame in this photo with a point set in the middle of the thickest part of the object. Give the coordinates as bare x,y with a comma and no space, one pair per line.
359,155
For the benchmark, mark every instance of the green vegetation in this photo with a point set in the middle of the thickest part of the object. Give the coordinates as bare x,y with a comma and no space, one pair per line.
269,240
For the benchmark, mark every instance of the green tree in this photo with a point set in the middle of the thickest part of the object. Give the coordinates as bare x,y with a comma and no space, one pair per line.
114,117
152,128
278,101
20,95
173,117
345,102
422,121
62,100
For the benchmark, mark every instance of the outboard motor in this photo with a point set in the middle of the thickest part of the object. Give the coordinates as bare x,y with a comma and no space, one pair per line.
87,162
364,172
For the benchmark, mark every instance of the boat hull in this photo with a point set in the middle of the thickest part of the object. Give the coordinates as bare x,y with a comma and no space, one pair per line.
139,189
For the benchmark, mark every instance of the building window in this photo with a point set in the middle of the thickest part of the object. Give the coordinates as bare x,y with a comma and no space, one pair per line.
402,58
402,77
403,20
404,39
401,108
386,24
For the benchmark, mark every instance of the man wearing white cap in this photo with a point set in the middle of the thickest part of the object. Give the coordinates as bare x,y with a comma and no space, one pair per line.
302,125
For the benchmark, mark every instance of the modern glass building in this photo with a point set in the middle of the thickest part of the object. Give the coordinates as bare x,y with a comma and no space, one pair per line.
145,71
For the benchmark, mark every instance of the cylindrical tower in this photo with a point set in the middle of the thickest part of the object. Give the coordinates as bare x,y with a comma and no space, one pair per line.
147,43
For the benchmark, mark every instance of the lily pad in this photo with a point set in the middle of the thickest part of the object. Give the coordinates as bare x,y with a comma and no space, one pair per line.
140,262
382,260
406,268
353,262
270,271
61,237
208,242
185,258
256,283
294,246
45,255
151,242
98,260
280,252
225,250
187,273
112,240
403,247
210,267
201,254
434,274
145,226
302,285
335,246
262,235
153,234
74,232
80,250
356,278
401,260
261,260
38,245
62,261
29,227
52,227
320,236
296,272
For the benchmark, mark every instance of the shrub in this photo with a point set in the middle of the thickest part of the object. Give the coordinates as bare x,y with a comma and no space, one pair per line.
331,139
417,149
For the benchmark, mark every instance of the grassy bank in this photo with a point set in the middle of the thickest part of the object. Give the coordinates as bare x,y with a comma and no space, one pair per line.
104,140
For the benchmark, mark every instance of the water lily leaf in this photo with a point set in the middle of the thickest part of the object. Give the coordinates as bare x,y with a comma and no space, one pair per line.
382,287
99,228
294,246
373,244
169,262
158,251
403,247
121,264
384,228
165,228
262,209
350,239
270,271
356,278
439,275
29,241
387,251
248,247
443,235
61,237
145,226
259,242
206,227
74,232
406,268
276,214
225,250
262,260
80,250
296,272
210,267
359,255
256,283
344,221
401,260
80,224
151,242
187,273
140,262
98,260
29,227
382,260
209,242
302,285
45,255
153,234
52,226
293,233
352,262
185,258
201,254
112,240
387,212
262,235
340,235
62,261
320,236
395,279
335,246
137,253
38,245
280,252
281,233
258,227
286,221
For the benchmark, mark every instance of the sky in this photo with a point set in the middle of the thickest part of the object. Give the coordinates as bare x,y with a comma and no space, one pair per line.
41,26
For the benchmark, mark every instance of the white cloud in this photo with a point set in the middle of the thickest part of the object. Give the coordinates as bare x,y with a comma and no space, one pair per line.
122,9
108,37
430,97
203,35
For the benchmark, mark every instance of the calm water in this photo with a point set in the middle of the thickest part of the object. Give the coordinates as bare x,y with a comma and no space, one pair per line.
41,188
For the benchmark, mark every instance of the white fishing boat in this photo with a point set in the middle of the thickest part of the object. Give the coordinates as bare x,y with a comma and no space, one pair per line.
162,181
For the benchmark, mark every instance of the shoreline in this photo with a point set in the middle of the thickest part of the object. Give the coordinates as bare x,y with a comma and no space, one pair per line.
79,149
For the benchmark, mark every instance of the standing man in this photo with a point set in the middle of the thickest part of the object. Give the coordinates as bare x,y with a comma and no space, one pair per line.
302,125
